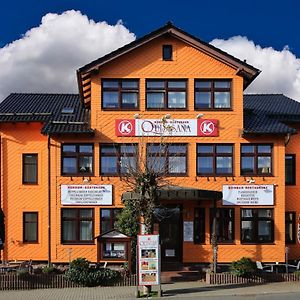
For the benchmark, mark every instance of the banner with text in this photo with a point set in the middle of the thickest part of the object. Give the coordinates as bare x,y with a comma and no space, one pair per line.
86,194
169,127
248,194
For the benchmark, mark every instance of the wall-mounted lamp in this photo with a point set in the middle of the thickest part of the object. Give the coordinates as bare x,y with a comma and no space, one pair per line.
251,180
199,116
167,116
136,116
86,180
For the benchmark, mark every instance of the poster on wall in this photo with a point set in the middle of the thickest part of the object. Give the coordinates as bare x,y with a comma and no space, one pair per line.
257,194
188,231
86,194
148,260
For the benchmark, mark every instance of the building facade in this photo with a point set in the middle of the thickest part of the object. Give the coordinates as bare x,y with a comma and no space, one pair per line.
63,157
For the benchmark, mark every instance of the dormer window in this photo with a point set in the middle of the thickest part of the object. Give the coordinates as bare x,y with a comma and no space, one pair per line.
167,52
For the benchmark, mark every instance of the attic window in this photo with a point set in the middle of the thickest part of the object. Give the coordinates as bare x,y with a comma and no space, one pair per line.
67,110
167,52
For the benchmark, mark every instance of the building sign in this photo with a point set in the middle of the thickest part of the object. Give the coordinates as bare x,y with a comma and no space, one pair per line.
171,127
86,194
148,259
188,231
248,194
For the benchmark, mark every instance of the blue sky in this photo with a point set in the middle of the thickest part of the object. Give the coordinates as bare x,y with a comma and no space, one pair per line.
264,32
268,23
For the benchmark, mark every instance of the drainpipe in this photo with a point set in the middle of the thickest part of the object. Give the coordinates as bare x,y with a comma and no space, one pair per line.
49,200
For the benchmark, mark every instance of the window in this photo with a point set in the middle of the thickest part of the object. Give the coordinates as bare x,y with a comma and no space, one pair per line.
212,94
30,227
115,250
77,159
166,94
256,159
116,159
120,94
108,218
30,168
77,225
199,225
290,169
224,224
167,52
290,227
167,159
257,226
214,159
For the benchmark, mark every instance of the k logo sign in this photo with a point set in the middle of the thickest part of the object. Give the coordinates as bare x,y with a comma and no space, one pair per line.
125,127
208,128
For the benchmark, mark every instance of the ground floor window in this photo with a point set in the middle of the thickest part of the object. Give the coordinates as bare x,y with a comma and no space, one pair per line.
30,227
77,225
224,225
199,225
108,218
290,227
257,226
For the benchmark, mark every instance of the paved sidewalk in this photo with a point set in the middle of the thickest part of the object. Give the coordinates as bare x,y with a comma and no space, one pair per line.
176,290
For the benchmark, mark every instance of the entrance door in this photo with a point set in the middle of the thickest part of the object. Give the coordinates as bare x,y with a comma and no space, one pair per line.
170,232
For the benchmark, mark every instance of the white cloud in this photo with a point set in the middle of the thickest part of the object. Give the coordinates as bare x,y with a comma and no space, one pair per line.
45,59
280,69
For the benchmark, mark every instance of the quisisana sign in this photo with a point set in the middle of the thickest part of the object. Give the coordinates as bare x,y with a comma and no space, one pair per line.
86,194
170,127
248,194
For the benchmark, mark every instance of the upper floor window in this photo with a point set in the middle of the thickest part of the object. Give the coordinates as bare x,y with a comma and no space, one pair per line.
167,159
212,94
224,224
30,168
117,159
257,225
290,169
120,94
214,159
167,52
256,159
30,227
77,225
108,218
77,159
166,94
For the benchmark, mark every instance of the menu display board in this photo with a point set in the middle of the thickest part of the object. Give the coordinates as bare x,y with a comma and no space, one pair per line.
148,259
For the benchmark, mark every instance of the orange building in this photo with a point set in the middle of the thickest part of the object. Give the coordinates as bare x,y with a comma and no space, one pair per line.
62,157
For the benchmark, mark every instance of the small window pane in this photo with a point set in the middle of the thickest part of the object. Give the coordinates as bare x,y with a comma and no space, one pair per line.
160,149
128,149
264,165
130,84
177,149
155,100
247,149
69,148
265,213
129,100
105,213
85,148
205,149
247,165
69,165
86,231
222,84
109,165
247,231
128,164
264,149
69,231
86,213
69,213
177,84
108,149
205,165
203,100
177,165
156,164
224,165
110,99
176,99
247,213
167,52
265,231
222,99
110,84
203,84
155,85
30,217
224,149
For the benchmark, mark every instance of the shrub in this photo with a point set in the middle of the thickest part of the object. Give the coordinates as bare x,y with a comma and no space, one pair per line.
48,270
80,272
244,267
24,272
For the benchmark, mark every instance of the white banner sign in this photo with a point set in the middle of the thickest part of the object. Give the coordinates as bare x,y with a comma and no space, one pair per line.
86,194
148,259
188,231
248,194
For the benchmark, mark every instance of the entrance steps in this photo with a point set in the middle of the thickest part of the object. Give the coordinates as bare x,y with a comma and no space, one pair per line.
176,272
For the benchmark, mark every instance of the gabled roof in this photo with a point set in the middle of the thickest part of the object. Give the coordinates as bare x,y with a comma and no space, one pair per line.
270,114
47,108
84,73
